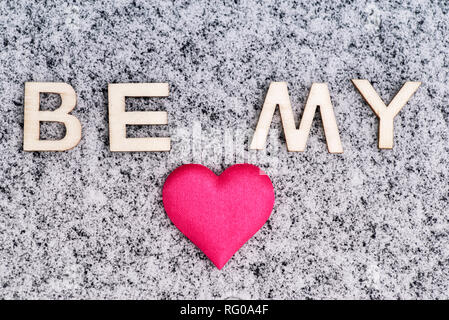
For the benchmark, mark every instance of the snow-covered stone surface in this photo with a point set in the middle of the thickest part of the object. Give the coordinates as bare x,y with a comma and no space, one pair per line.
88,223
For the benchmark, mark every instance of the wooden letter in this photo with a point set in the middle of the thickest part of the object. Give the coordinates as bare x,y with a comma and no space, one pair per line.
119,118
386,114
297,138
33,116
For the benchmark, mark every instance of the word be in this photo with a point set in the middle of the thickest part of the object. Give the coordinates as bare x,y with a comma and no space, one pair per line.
277,95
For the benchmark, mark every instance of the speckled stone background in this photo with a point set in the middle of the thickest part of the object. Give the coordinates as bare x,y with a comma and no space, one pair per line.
89,223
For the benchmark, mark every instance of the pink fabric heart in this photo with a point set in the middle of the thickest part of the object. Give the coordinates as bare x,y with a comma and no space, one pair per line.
218,213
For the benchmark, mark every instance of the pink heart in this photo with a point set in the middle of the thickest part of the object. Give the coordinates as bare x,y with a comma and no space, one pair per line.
218,213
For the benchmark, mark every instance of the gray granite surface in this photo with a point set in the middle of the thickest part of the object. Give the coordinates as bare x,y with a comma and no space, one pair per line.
89,223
